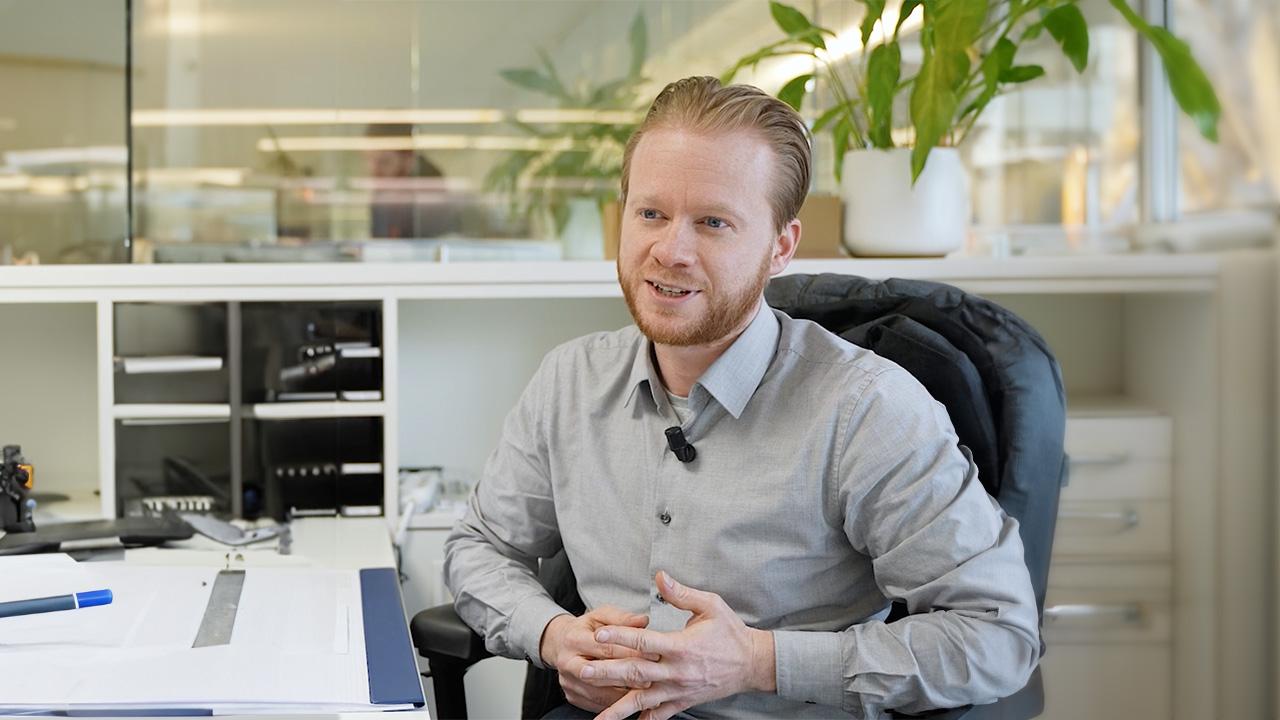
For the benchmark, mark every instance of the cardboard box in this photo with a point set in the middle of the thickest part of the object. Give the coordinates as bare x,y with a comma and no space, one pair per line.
822,227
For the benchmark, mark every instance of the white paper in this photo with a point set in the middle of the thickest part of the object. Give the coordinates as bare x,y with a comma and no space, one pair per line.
297,643
35,576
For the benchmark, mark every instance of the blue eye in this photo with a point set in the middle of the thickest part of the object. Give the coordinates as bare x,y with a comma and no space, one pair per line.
649,214
716,223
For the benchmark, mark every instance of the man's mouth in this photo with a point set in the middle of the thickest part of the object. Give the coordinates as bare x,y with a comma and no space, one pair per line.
669,290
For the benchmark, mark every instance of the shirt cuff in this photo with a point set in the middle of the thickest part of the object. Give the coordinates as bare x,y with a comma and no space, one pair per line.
809,666
529,620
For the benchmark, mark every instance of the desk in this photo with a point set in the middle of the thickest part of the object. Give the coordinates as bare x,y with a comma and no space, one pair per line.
364,609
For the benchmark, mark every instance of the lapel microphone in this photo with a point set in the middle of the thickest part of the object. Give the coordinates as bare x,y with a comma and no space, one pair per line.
680,447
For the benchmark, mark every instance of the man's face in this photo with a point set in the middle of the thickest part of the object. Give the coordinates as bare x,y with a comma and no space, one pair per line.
698,241
389,163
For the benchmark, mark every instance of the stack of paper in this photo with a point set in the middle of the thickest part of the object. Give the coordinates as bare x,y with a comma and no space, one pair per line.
297,643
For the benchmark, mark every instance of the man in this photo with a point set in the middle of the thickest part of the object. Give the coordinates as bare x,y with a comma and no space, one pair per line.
825,480
409,198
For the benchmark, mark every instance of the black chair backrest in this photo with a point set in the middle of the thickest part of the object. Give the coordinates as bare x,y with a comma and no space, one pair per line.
993,372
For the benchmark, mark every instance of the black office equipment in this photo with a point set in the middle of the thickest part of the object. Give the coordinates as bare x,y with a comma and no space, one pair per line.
122,532
16,479
1000,384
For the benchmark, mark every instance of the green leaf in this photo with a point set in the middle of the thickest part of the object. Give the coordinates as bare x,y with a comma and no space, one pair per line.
953,67
1066,24
933,103
791,20
638,38
904,12
1021,73
957,23
550,69
531,79
999,60
775,50
1191,87
606,96
875,8
828,115
812,37
793,92
883,69
1032,31
1187,80
840,134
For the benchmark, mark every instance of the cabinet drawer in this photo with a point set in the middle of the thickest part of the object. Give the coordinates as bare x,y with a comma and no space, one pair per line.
1108,615
1113,529
1098,438
1107,682
1118,458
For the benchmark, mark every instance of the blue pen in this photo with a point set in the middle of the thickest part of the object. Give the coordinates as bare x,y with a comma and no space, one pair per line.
55,603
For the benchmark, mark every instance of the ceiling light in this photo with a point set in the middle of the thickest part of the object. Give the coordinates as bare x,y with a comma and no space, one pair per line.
314,116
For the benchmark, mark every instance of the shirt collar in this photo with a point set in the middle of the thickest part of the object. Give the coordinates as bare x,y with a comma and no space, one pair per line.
644,372
732,379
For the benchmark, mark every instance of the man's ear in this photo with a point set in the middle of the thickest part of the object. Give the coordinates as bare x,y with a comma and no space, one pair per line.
784,247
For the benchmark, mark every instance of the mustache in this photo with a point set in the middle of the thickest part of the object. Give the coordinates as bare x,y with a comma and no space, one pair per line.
685,283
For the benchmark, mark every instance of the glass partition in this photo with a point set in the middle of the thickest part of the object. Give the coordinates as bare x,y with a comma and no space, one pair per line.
391,130
63,187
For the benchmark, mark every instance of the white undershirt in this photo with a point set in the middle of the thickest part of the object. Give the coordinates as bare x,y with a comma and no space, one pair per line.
679,405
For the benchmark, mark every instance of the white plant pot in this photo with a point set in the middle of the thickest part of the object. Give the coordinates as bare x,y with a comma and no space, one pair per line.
885,216
583,234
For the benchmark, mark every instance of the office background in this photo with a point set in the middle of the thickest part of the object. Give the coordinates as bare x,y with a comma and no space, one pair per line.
167,132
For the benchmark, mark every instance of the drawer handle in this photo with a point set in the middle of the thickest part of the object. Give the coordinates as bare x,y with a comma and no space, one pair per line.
1129,614
1119,458
1125,519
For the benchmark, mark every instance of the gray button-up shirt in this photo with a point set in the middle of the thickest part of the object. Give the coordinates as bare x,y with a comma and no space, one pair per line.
827,483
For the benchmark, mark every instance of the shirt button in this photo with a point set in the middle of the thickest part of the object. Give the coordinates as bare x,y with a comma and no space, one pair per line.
665,517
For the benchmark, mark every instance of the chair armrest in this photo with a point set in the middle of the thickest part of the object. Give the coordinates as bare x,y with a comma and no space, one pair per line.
438,632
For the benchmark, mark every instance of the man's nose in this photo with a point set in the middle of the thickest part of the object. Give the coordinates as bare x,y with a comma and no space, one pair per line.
677,247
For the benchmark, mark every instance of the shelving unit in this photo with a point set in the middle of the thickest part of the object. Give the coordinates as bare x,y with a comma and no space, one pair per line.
170,357
1186,338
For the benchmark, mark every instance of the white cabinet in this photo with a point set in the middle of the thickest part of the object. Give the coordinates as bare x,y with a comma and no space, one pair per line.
1110,598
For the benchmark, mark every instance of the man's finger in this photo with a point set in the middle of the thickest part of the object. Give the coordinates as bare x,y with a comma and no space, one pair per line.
648,642
665,711
608,651
699,602
629,673
610,615
636,701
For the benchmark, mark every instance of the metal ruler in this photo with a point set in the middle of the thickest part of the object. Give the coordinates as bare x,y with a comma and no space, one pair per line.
220,613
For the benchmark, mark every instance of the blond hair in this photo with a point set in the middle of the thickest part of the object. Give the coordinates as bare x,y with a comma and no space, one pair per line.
703,105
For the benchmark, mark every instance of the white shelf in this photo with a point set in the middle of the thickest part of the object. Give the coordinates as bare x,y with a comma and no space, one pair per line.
359,352
175,411
1120,273
167,364
305,410
370,468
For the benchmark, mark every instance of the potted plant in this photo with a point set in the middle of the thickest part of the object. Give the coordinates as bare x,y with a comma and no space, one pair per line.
912,199
571,174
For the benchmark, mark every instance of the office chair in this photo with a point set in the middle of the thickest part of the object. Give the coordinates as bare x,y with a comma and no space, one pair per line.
1000,385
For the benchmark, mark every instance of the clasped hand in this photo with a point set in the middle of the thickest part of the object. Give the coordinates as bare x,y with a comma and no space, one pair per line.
625,668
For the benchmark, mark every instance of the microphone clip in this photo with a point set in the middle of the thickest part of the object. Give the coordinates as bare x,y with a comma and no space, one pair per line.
679,445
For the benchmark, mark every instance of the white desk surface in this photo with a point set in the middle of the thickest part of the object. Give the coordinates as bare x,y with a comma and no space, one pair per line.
329,542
